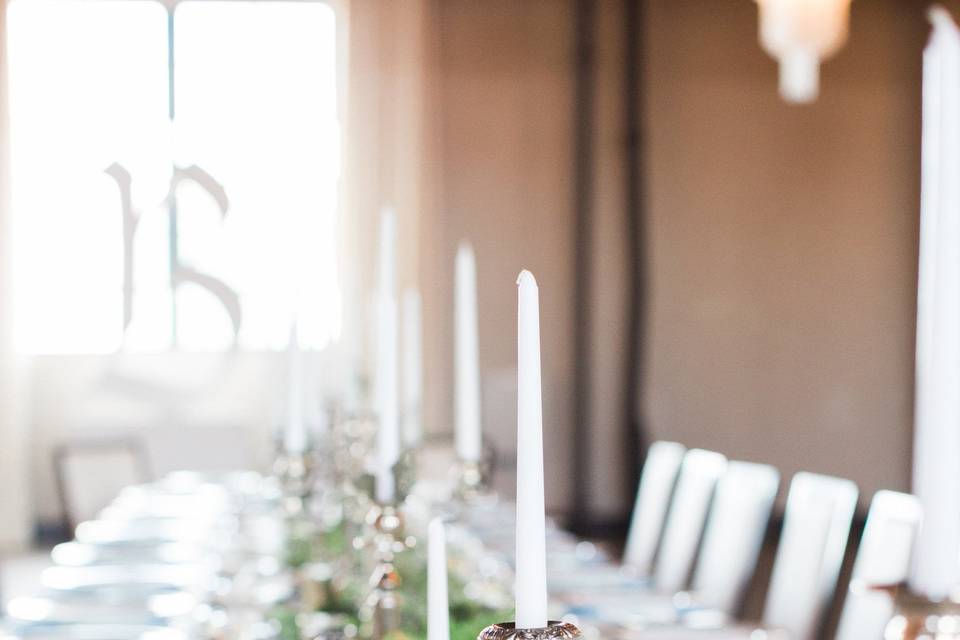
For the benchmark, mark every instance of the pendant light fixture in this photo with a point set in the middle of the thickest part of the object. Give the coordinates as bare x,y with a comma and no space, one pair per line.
800,34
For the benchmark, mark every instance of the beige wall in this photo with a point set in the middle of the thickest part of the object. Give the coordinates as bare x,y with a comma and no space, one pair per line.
611,279
503,95
389,129
504,91
783,243
782,239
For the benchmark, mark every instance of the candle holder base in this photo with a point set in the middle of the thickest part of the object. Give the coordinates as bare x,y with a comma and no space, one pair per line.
383,603
470,481
381,608
404,476
296,474
554,630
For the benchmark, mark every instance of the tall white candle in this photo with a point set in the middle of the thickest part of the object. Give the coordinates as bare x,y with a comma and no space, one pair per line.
467,357
295,433
317,418
438,603
388,433
412,369
531,584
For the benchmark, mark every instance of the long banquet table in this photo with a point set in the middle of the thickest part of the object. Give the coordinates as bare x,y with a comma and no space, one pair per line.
193,557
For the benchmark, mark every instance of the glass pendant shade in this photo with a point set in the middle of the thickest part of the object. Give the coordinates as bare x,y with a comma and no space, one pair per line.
800,34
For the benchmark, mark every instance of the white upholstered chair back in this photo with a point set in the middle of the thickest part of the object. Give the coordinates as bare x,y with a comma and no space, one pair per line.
91,472
683,530
884,557
734,534
653,500
813,541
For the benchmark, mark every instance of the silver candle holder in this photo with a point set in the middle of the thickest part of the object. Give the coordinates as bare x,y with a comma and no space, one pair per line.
554,630
295,471
471,478
382,606
470,481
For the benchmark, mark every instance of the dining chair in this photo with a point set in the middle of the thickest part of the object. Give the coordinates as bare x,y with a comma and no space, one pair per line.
884,557
683,530
734,535
657,482
90,472
816,526
654,493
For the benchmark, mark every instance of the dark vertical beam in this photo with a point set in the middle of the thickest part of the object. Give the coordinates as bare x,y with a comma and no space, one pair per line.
583,92
634,438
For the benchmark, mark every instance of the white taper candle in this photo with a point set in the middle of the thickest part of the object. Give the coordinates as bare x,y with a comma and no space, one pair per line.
316,413
412,369
388,433
295,433
467,357
438,603
531,579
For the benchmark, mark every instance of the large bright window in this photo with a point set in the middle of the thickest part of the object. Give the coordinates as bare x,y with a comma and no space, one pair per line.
230,148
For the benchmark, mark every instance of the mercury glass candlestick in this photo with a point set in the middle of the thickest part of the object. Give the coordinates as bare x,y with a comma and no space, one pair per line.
471,480
295,470
508,631
381,608
402,476
352,443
